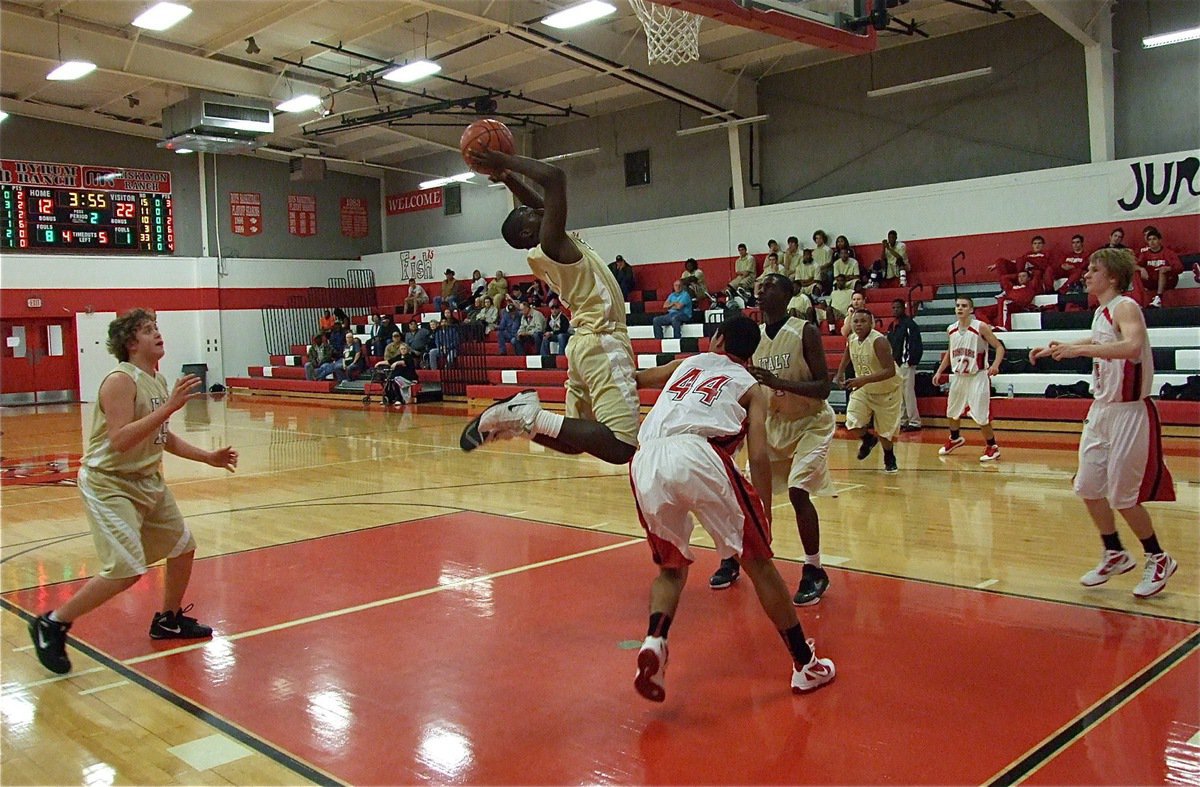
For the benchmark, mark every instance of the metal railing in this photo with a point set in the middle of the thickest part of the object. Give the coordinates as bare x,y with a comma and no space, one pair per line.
468,366
296,320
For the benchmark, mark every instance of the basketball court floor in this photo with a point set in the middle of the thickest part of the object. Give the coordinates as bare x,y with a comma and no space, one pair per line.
392,611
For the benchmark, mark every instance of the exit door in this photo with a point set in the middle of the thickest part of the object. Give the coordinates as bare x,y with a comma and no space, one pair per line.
38,362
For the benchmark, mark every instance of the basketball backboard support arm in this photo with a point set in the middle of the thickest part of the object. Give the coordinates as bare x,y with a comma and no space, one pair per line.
781,23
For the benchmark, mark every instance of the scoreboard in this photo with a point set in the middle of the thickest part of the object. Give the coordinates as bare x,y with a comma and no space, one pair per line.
64,207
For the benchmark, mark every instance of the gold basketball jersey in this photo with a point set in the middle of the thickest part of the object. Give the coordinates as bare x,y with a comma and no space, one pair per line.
866,362
784,356
587,288
144,458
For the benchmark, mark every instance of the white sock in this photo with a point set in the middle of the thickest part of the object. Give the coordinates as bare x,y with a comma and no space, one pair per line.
813,560
548,423
55,617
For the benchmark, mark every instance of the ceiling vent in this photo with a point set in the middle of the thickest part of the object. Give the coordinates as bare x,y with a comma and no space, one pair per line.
216,123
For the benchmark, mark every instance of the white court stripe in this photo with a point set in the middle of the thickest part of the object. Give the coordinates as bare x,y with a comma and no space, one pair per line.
385,601
987,583
834,560
1194,741
23,648
9,688
102,688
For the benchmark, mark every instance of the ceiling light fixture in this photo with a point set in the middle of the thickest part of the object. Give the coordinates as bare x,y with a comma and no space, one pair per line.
1178,37
252,47
573,154
300,103
412,72
579,14
932,81
683,132
161,16
432,184
72,69
3,115
184,150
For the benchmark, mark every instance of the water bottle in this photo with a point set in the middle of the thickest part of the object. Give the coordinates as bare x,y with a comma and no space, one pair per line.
1010,391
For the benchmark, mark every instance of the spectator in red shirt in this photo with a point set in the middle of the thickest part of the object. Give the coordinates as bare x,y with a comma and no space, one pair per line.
1036,262
1158,269
1018,296
1073,266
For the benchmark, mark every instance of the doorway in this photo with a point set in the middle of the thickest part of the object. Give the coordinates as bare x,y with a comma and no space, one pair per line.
38,364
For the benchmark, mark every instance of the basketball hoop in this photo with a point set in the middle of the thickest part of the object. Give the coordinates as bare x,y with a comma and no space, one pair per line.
672,36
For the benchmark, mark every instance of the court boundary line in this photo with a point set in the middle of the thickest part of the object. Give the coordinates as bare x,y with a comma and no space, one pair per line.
1074,730
192,708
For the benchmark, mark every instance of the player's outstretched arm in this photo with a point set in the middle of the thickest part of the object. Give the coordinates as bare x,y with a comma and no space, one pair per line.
118,393
755,402
1132,327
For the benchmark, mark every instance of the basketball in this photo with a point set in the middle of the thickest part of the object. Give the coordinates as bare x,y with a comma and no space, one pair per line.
486,134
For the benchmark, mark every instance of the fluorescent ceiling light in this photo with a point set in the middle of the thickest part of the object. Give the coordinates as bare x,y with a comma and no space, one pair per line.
1178,37
72,69
573,154
887,91
3,115
432,184
683,132
411,72
184,150
300,103
579,14
162,16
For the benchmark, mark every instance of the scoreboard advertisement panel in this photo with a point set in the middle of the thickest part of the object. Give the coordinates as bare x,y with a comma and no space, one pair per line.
68,207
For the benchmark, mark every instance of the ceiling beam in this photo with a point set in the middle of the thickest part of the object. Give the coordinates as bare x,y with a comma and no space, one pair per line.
1077,19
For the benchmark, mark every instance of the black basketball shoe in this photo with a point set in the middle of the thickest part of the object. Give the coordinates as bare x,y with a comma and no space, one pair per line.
869,442
50,642
177,625
813,584
726,575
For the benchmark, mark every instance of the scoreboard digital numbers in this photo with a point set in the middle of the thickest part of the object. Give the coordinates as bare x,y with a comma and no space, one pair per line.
65,207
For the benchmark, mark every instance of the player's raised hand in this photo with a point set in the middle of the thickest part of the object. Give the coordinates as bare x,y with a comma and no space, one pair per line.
181,392
223,457
490,160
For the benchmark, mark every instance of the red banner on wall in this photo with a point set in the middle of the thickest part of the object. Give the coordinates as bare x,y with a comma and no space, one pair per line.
74,176
302,214
245,212
421,199
355,218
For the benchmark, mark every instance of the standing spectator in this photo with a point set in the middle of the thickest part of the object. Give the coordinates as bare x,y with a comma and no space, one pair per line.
892,267
904,336
320,359
679,311
497,290
449,295
874,390
745,270
417,298
623,272
970,383
1120,451
558,329
790,260
478,283
507,329
823,256
445,345
807,274
327,322
1158,270
341,317
858,303
693,280
376,338
354,360
1072,267
532,328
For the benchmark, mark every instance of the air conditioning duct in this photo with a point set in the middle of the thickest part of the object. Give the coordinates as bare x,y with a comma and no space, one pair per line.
217,123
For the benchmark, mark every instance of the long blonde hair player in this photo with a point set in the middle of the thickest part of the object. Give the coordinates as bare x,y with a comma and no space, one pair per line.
1120,451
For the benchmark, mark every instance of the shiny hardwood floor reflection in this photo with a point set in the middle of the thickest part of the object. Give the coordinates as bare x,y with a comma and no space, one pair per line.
312,470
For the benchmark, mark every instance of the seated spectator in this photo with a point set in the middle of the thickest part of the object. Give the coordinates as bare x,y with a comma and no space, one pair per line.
558,329
1018,296
417,298
790,259
354,360
823,256
679,311
745,270
839,300
623,272
497,290
445,345
396,340
488,314
858,303
1158,270
449,295
320,359
770,265
327,322
843,242
846,266
401,366
801,306
1072,268
479,284
532,328
807,274
507,329
693,280
341,317
1116,239
536,293
337,338
773,248
419,338
891,269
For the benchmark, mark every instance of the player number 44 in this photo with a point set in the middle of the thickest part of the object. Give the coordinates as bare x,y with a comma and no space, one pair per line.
708,390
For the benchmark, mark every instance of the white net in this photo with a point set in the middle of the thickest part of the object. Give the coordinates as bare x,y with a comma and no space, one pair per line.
672,36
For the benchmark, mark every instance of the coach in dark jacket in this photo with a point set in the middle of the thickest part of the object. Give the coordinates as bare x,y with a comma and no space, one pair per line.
905,337
624,273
